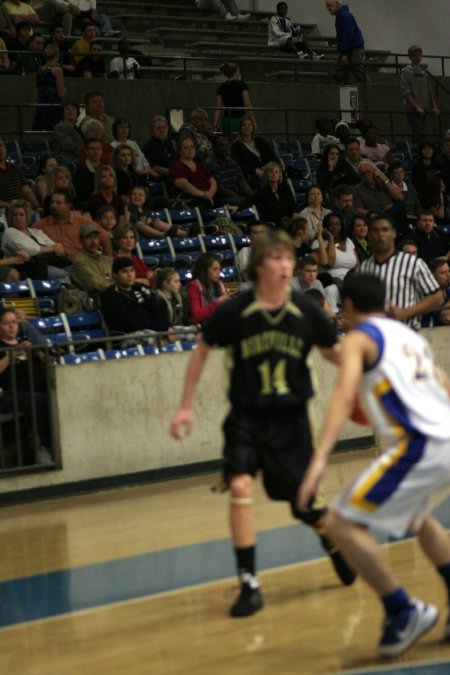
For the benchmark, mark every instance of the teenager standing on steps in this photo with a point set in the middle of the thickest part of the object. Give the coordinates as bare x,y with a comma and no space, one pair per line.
270,332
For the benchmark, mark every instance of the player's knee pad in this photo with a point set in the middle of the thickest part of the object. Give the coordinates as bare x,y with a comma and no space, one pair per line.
241,501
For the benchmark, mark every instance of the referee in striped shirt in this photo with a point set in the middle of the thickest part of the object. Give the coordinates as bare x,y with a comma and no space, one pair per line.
411,289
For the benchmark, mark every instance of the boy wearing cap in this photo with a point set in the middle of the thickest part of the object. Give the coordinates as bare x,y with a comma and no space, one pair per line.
91,270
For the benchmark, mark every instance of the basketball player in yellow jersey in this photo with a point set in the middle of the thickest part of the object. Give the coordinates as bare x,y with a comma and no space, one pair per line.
407,400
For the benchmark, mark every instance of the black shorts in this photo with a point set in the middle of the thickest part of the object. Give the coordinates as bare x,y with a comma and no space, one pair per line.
277,442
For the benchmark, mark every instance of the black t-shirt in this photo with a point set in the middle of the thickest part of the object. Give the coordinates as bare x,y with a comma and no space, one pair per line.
269,349
231,93
21,372
95,66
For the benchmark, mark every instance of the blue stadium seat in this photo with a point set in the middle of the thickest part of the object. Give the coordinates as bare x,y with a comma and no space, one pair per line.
151,248
183,218
83,357
185,275
230,273
157,189
292,148
114,354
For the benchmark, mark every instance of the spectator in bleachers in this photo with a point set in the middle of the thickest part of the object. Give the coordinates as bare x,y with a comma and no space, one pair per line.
139,214
206,291
45,258
84,178
297,229
54,11
417,93
159,149
251,152
121,130
274,199
67,139
85,12
197,131
29,62
125,240
50,89
342,203
232,186
28,405
19,43
91,270
128,306
323,136
95,109
427,179
379,153
342,131
306,279
92,129
107,219
93,65
234,93
314,212
124,66
333,170
58,38
227,9
13,184
124,163
353,158
255,232
431,243
7,29
358,232
342,256
443,162
60,178
168,288
440,269
47,165
105,193
409,246
397,174
5,63
350,44
81,47
20,11
63,225
189,178
281,33
376,194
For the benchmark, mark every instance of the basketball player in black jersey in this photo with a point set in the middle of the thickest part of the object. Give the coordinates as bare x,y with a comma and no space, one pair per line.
270,331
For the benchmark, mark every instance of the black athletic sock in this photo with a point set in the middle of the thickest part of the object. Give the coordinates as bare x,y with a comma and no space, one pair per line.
246,560
444,571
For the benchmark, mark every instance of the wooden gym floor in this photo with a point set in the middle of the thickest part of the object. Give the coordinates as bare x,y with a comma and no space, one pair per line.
139,581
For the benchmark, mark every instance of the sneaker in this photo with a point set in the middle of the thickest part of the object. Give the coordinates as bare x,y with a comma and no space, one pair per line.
243,17
249,601
317,57
229,17
401,631
112,34
344,572
302,55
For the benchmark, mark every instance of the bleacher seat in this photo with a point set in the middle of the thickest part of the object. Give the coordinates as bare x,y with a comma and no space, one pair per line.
184,218
83,357
230,273
114,354
161,249
292,148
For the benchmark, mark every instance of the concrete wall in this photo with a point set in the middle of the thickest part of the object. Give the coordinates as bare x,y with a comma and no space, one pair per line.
114,415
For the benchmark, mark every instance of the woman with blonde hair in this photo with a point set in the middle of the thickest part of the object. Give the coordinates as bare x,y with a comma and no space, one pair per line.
60,178
275,199
232,94
251,152
168,287
105,193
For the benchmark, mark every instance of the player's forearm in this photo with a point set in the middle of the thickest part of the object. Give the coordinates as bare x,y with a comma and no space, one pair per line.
193,373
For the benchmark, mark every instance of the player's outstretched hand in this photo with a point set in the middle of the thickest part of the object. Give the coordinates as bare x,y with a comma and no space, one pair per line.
181,423
310,483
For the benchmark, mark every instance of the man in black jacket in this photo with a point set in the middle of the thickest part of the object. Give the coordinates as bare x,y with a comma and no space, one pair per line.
129,307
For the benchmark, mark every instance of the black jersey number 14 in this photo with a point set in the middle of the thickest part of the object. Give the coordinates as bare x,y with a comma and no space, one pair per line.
273,380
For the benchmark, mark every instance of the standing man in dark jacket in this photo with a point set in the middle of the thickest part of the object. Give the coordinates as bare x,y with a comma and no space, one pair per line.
350,43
